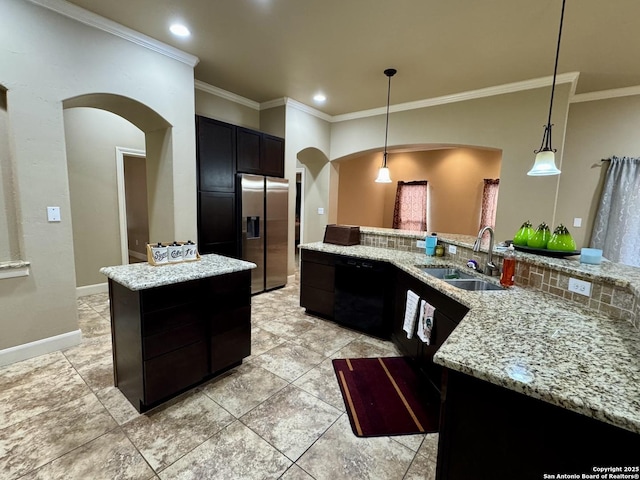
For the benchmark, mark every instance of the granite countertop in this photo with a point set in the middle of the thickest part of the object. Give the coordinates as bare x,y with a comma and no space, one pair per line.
534,343
140,276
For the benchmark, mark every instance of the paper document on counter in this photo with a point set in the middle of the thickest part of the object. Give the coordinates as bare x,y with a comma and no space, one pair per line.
410,313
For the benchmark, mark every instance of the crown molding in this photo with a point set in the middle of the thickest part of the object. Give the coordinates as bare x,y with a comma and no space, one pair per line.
94,20
276,102
290,102
571,77
232,97
606,94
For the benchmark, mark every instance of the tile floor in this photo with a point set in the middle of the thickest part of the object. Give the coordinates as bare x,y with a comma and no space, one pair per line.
278,415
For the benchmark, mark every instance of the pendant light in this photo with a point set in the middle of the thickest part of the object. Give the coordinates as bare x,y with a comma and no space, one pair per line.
545,163
383,173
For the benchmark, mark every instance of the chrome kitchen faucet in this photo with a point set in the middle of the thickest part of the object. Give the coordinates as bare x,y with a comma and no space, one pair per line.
491,268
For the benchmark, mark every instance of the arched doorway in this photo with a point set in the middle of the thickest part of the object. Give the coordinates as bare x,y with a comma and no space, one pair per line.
99,130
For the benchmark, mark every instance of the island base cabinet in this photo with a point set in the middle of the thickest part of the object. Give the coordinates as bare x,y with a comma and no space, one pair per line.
490,432
169,338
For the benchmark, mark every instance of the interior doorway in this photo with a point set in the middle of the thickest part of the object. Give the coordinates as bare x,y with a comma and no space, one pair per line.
299,214
132,204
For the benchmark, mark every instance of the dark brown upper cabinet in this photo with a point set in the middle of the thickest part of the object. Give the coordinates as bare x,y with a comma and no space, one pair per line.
216,149
272,156
248,151
259,153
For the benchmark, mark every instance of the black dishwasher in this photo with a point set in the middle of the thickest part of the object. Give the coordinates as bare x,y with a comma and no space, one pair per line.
361,296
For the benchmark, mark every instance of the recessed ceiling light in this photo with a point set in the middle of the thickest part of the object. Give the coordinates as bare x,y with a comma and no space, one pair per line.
319,97
179,30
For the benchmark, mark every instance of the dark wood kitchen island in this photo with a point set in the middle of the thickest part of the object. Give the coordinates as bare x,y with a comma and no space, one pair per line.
174,326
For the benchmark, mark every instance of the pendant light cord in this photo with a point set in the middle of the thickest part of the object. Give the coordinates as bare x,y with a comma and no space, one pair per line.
390,72
555,71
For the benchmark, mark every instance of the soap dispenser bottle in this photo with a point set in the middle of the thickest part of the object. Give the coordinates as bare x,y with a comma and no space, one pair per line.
508,267
430,244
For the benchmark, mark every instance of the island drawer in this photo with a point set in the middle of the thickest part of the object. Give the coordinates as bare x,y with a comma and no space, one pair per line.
169,296
167,374
173,339
228,291
169,319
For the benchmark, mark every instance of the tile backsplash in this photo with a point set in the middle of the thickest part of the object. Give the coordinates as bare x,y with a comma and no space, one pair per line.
613,300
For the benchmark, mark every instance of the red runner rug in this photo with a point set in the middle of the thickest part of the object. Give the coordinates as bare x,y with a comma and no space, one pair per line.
385,396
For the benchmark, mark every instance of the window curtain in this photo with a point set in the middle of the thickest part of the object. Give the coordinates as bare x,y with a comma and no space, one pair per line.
616,229
489,202
410,211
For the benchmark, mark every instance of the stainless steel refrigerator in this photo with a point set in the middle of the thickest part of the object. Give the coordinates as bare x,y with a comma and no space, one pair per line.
263,210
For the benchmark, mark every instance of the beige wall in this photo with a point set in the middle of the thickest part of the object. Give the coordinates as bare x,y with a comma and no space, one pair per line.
91,137
273,121
307,146
46,60
455,179
214,106
595,130
510,122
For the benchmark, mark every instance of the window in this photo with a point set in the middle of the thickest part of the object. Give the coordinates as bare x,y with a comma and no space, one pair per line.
410,211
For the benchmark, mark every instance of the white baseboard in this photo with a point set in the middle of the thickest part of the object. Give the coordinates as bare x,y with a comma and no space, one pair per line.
40,347
92,289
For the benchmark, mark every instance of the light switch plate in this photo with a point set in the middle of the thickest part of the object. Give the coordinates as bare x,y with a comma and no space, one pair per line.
320,211
420,244
453,249
577,222
53,214
580,286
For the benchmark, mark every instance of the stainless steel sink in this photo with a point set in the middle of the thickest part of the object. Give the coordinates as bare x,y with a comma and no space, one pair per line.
473,285
460,279
447,273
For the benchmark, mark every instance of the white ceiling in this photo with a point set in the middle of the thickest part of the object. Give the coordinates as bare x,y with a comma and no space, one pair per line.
268,49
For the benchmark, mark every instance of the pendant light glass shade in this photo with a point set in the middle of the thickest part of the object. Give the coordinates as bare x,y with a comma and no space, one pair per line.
545,163
383,173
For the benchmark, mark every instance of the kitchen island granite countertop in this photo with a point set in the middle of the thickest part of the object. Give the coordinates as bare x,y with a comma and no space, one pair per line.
535,343
140,276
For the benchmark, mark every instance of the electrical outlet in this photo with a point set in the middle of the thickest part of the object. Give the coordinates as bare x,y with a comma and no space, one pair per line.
580,286
320,211
420,244
453,249
577,222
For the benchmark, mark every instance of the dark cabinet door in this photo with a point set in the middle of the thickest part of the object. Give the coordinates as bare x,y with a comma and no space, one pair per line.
409,346
216,154
447,315
217,232
272,156
317,280
248,151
